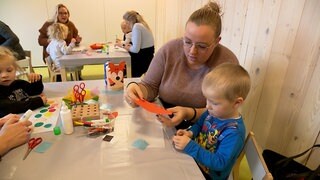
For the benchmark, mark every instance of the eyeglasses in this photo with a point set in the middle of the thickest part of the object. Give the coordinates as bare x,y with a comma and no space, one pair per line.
63,13
198,45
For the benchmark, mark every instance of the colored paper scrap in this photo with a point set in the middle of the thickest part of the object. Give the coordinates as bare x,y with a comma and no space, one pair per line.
43,147
140,144
151,107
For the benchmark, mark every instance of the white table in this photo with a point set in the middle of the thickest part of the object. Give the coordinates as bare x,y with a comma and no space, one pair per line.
77,156
116,55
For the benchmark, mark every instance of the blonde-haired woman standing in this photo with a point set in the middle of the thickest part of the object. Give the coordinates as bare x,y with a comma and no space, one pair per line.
142,48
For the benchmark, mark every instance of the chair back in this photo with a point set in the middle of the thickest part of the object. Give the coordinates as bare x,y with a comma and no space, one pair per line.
257,165
51,69
26,63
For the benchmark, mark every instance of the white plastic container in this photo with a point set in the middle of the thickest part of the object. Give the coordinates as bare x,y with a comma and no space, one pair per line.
66,119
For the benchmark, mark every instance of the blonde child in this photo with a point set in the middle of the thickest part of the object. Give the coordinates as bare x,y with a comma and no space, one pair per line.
219,135
126,29
17,96
57,47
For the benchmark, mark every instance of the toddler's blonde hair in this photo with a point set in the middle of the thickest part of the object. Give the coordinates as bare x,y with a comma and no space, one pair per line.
230,80
58,31
7,54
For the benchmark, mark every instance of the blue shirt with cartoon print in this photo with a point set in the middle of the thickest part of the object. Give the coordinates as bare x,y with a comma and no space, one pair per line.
217,144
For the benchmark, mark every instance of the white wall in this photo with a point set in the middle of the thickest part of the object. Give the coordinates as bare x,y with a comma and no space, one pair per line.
96,20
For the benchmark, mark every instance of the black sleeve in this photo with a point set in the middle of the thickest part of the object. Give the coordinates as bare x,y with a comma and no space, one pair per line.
6,33
7,106
35,88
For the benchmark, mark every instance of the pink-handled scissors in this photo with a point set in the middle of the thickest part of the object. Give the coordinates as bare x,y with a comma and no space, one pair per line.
79,92
33,142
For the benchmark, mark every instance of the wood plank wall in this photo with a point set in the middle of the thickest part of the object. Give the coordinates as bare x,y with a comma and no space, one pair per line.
278,42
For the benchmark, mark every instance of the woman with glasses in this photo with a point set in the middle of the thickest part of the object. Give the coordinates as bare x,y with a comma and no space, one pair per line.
61,15
178,68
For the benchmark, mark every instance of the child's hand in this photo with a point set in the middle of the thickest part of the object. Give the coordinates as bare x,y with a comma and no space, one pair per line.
180,142
73,40
33,77
184,132
118,44
127,47
179,114
44,98
78,39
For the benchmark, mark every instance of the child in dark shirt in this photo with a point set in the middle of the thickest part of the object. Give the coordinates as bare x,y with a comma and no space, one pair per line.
17,96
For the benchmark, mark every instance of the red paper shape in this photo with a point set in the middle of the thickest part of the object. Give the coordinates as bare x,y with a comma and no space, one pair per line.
151,107
96,46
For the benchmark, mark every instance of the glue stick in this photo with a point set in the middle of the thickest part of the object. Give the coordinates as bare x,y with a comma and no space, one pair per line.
26,116
66,119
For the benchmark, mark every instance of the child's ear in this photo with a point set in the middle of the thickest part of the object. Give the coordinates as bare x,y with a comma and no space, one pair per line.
238,102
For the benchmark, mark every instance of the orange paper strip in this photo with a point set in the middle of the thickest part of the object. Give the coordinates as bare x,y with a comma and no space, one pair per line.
151,107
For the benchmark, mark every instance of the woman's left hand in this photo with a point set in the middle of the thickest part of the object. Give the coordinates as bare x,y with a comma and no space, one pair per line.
179,114
33,77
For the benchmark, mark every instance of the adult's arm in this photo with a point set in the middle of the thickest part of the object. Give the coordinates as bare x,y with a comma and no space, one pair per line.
136,37
13,134
10,37
43,38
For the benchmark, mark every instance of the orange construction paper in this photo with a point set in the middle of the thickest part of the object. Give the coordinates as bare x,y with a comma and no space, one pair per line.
151,107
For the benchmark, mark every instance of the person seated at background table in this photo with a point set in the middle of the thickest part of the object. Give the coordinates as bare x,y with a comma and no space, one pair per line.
177,70
10,40
61,15
126,29
58,47
17,96
12,132
142,48
219,134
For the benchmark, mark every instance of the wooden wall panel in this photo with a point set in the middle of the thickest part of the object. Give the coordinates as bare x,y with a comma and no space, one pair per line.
293,130
268,38
282,44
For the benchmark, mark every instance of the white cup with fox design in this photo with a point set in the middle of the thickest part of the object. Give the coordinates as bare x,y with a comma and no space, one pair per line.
114,75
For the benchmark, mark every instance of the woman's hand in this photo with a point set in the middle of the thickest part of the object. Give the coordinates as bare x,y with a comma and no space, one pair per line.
179,114
8,117
133,92
14,133
33,77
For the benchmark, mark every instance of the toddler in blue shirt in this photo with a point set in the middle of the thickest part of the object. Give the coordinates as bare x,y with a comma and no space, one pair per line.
217,138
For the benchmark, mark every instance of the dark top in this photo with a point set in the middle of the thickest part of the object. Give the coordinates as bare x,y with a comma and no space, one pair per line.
10,40
20,96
